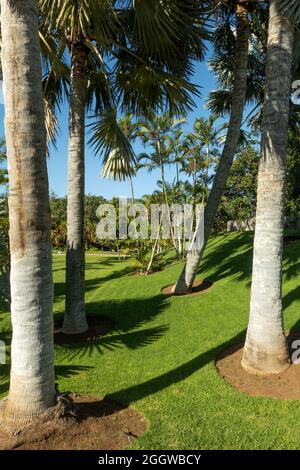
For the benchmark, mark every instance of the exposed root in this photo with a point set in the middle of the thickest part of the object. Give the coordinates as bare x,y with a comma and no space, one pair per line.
64,408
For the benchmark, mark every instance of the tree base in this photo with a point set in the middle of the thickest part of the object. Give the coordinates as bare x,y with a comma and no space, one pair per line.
284,385
98,327
198,288
78,423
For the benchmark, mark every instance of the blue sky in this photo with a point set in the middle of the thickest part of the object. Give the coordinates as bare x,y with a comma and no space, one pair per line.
144,182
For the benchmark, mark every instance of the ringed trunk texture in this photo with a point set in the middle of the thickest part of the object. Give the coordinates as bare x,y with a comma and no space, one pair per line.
187,277
75,316
32,387
266,349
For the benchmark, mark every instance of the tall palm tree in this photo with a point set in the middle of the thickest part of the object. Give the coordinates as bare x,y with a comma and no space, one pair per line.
32,388
187,276
200,149
150,70
77,24
266,348
157,131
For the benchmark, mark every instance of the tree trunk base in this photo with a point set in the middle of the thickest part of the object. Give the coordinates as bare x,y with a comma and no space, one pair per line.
72,326
87,423
198,287
261,363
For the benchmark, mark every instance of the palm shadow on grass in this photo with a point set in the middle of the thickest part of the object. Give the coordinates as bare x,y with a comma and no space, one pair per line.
130,320
233,258
230,258
61,371
150,387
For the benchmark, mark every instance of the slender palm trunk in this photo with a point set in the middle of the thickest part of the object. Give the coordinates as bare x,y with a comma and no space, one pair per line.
266,348
154,249
32,388
132,190
187,277
165,196
75,316
194,183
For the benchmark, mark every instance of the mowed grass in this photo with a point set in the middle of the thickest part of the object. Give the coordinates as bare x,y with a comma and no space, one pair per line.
160,356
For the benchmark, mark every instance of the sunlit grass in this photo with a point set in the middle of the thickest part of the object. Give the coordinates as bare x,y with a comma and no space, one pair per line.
160,356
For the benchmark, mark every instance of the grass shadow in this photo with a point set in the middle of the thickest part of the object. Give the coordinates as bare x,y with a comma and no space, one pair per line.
130,319
150,387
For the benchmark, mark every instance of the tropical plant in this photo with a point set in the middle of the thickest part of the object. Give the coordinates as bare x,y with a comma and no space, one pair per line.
157,132
150,71
239,198
32,386
201,154
240,51
266,349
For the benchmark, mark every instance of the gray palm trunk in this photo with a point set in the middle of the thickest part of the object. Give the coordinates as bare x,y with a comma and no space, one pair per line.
266,348
194,257
75,315
32,388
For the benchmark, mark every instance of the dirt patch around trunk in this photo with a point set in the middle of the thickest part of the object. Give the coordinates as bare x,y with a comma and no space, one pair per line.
283,386
198,287
98,327
97,425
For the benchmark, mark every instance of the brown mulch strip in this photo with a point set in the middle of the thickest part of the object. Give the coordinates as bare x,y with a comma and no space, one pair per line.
98,327
283,386
99,425
198,287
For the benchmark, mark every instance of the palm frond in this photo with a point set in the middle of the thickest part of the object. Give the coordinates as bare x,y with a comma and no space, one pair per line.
109,140
291,8
117,166
51,124
144,90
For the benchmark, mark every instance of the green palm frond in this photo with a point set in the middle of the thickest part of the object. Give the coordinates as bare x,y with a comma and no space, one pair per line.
117,166
292,9
219,102
109,140
179,26
77,18
100,93
144,90
51,123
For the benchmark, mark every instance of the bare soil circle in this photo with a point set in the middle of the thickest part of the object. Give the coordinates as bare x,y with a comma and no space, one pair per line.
198,287
98,327
283,386
100,424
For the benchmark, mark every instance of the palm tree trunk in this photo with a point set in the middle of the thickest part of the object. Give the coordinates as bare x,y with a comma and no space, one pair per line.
187,277
165,195
32,388
266,348
75,316
132,190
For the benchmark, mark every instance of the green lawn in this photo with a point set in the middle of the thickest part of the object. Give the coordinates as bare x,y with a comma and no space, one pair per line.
160,356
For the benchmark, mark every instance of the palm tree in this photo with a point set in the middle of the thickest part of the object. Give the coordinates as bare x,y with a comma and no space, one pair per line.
200,149
187,276
158,132
32,388
77,24
266,348
145,76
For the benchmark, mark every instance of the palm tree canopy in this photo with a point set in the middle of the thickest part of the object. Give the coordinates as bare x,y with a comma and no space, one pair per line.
140,59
